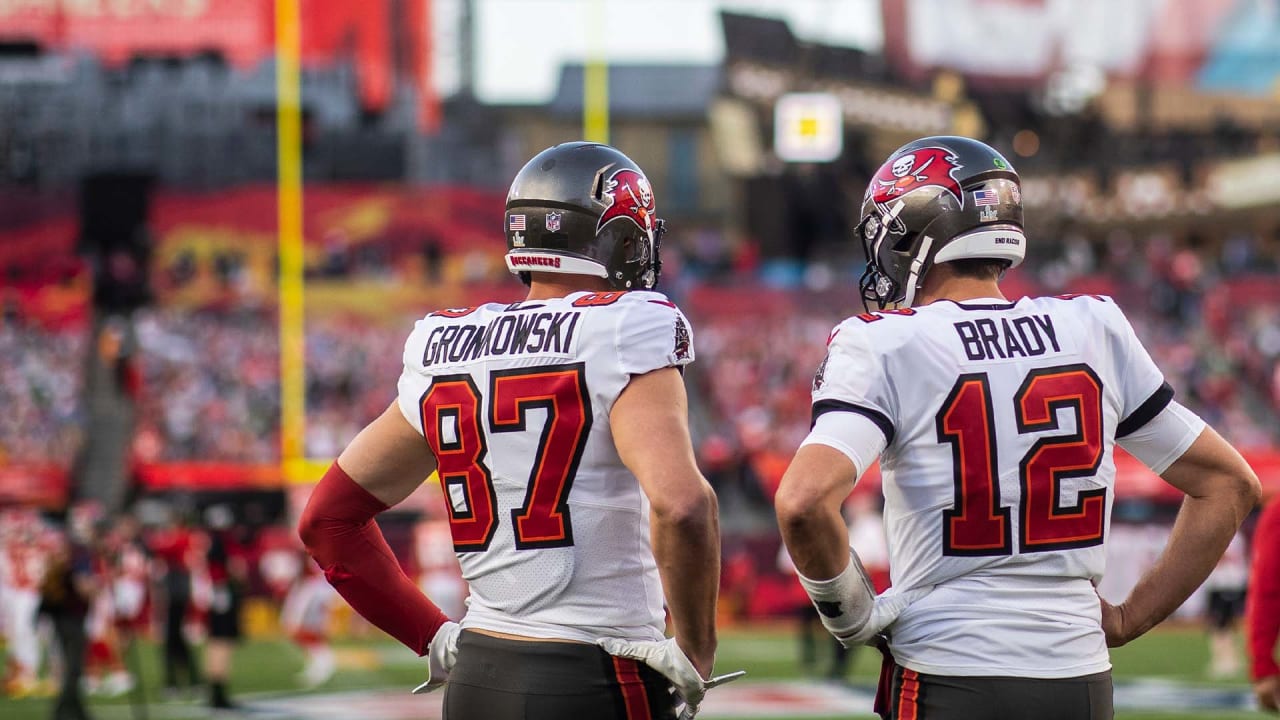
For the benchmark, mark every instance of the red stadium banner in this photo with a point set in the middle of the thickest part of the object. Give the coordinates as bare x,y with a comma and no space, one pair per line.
208,477
242,31
42,485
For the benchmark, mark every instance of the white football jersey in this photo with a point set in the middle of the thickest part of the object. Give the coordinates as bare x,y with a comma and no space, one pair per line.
1000,420
550,528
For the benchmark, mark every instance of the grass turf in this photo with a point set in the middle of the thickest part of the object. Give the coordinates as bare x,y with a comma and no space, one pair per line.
267,666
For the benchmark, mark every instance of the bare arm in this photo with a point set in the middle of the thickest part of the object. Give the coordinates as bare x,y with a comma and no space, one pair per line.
1221,489
650,422
808,507
388,458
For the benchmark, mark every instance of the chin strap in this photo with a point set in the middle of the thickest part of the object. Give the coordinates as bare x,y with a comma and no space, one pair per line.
917,267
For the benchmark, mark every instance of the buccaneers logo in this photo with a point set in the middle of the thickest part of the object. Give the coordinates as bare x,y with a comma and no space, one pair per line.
629,196
683,345
925,167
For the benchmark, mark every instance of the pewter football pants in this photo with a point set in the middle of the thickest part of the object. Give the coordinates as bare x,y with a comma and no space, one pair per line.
917,696
497,679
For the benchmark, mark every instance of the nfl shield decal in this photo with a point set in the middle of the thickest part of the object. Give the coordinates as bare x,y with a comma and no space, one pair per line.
553,222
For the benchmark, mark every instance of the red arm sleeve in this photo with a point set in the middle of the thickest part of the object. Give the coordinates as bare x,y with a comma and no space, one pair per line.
1262,608
338,529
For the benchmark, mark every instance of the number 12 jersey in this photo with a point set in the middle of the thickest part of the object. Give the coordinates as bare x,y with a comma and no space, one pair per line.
1000,421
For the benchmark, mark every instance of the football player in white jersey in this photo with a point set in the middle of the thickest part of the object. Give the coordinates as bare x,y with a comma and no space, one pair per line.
559,429
994,422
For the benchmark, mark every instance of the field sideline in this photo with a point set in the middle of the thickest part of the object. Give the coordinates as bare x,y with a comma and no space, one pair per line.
1163,670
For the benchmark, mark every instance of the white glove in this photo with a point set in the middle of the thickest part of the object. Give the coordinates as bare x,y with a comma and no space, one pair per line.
442,653
667,658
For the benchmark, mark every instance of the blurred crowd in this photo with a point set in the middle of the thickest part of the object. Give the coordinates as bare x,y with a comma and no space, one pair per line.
40,381
209,379
211,384
1207,311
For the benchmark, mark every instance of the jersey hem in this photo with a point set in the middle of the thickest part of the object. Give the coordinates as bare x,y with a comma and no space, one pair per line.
1038,673
545,631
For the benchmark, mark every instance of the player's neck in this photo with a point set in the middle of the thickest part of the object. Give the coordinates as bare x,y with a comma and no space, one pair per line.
549,286
958,289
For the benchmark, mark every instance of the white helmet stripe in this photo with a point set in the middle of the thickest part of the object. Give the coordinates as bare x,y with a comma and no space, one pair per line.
1008,243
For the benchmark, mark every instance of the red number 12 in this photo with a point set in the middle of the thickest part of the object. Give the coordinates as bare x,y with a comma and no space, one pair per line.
977,525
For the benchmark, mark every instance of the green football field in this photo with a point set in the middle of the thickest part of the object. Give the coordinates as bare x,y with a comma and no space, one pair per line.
264,676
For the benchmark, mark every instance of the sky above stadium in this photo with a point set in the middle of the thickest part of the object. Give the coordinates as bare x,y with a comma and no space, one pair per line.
521,44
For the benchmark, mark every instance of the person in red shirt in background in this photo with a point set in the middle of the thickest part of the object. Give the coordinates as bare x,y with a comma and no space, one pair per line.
1262,607
172,548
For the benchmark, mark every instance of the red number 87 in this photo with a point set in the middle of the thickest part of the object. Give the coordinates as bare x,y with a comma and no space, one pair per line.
451,422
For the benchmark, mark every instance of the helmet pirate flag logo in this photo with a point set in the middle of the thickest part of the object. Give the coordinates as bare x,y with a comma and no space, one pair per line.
630,196
926,167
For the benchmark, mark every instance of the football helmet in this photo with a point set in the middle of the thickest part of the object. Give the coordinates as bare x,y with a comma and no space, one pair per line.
587,209
936,199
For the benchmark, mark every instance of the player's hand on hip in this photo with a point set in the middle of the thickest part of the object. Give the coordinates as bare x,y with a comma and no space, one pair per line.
667,658
1113,623
849,608
1267,691
442,654
884,613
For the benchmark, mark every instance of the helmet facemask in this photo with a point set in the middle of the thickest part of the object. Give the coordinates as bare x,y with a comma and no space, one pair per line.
884,281
635,262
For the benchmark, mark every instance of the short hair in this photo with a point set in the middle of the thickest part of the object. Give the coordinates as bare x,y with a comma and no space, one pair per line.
979,268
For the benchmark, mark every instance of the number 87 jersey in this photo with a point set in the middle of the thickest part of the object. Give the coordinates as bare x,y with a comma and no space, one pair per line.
999,422
550,528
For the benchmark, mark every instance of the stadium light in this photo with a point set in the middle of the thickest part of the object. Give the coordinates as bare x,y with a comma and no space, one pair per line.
808,127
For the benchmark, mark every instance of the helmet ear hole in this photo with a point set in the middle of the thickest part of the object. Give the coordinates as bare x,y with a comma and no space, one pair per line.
597,187
635,249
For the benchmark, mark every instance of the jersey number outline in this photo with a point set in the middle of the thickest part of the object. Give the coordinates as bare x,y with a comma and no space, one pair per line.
977,525
543,520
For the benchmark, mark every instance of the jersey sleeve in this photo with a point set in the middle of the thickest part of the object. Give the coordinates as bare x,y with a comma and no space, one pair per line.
652,334
1143,390
413,383
856,437
851,379
1164,438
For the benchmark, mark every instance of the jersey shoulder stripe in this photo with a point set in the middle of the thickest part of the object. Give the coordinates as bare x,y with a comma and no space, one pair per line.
1158,401
881,420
